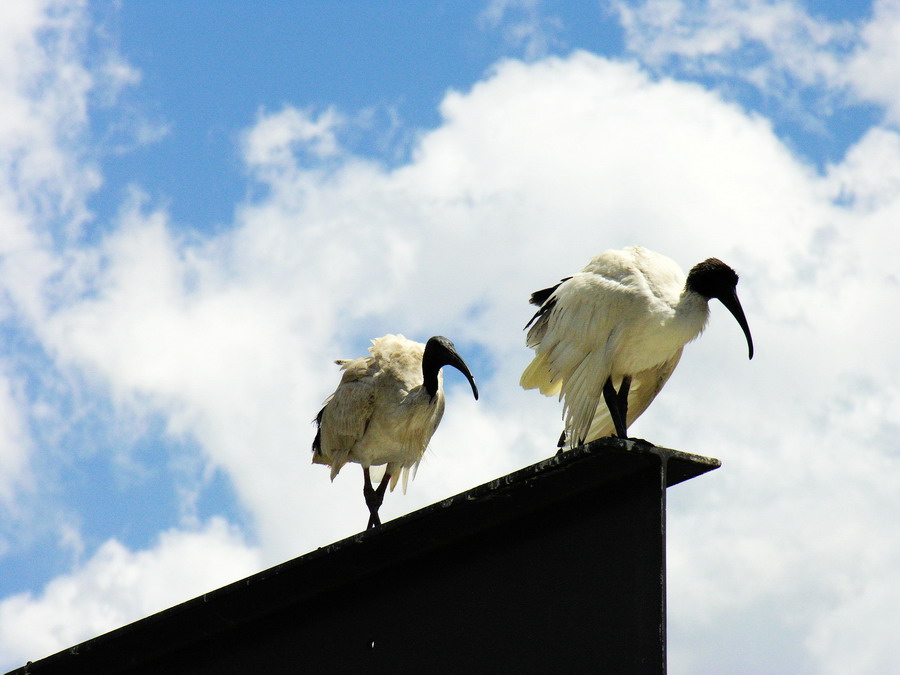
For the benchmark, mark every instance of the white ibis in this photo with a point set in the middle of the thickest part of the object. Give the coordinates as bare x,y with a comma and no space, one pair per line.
385,411
617,329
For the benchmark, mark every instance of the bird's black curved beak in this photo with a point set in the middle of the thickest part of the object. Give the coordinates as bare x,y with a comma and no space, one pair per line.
439,352
731,302
461,366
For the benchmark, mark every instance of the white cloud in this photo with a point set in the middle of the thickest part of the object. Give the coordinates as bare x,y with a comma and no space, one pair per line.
776,46
873,69
230,338
275,138
870,173
15,442
43,181
118,586
44,176
43,110
856,633
664,29
524,26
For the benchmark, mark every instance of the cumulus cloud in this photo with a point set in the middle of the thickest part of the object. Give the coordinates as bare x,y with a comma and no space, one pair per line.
44,109
524,26
276,137
784,35
15,443
118,586
776,46
43,180
872,69
230,337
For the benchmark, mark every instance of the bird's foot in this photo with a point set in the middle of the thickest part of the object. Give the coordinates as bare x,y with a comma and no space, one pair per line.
561,443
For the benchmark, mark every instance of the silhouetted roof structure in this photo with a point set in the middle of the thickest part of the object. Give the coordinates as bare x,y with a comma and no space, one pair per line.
559,566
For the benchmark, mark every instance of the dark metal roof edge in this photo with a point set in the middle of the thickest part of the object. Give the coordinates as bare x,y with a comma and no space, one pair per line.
680,466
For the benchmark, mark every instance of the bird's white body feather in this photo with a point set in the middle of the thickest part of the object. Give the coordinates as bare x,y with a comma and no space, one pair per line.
627,313
381,413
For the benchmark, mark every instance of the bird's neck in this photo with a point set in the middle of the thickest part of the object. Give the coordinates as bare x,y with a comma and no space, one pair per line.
691,314
430,380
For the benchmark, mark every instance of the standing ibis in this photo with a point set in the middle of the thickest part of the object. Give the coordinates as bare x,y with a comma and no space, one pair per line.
616,329
385,411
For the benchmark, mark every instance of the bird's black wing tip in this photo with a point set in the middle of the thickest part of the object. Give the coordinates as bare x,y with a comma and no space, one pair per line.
538,298
317,441
544,300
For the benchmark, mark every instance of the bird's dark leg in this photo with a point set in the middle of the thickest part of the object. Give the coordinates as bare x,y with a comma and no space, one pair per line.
612,402
374,497
622,399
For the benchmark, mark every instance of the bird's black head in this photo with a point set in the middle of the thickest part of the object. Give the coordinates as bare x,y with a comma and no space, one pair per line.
440,352
714,279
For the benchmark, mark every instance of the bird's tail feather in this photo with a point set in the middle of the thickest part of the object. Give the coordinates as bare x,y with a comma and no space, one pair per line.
537,376
402,475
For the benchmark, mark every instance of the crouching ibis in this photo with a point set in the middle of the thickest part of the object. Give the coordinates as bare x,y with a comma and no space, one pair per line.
385,411
617,329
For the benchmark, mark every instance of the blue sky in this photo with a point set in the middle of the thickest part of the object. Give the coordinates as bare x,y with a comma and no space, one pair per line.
204,204
389,65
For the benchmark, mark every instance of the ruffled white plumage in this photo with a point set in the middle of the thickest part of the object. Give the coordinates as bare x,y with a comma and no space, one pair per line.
627,313
381,413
